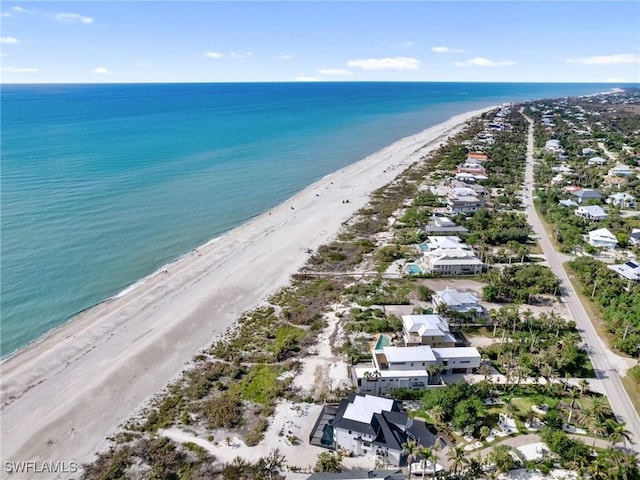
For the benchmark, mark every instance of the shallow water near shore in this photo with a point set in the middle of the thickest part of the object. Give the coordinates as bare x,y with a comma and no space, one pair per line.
104,184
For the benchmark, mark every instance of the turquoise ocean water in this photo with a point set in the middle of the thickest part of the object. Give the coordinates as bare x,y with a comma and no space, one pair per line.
101,185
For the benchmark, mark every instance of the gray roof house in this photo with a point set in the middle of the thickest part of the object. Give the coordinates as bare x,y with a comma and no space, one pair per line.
585,194
634,236
396,474
443,225
371,425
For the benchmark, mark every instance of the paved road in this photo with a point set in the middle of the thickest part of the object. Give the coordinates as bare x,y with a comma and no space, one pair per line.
608,366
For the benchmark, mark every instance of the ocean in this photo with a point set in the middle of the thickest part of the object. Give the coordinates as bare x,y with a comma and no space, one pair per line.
102,185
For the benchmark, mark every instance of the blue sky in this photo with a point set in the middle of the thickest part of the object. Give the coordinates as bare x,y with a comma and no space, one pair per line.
159,41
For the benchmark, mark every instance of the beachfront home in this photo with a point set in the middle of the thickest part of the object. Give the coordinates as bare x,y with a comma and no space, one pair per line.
477,157
472,167
418,358
444,242
453,300
602,238
470,177
622,200
431,330
451,261
442,226
629,270
593,213
393,474
585,194
634,237
371,425
463,203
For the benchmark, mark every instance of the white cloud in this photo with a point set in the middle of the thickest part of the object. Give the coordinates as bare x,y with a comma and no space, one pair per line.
388,63
615,80
606,59
240,55
9,40
73,17
409,43
20,69
305,79
213,55
21,10
446,50
286,56
141,65
5,14
484,62
101,71
334,71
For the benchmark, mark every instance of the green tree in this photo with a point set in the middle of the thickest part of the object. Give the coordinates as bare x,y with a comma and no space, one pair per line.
329,462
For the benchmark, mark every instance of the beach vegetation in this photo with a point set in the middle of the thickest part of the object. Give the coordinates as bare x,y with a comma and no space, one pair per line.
520,284
380,291
222,411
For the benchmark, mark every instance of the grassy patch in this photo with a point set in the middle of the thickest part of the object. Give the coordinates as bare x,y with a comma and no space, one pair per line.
633,390
260,385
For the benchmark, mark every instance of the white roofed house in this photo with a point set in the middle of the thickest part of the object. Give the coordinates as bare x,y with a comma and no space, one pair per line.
634,237
445,242
594,213
622,200
602,238
451,261
620,171
597,161
553,145
443,225
629,270
588,151
431,330
453,300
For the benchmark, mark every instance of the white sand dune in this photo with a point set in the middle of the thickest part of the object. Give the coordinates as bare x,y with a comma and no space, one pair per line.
63,395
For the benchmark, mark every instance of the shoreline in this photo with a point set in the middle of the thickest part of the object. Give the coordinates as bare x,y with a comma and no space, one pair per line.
64,393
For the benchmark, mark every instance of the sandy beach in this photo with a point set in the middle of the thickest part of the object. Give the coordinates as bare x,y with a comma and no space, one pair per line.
63,395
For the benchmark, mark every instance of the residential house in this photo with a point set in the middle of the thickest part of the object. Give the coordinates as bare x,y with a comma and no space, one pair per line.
443,225
456,301
477,157
588,151
585,194
463,203
472,167
444,242
470,177
431,330
629,270
597,161
396,474
615,181
602,238
594,213
451,261
634,237
371,425
622,200
562,169
620,171
553,145
568,203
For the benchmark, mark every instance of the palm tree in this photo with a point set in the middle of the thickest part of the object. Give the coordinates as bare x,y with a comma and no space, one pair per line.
584,386
618,433
437,414
597,427
434,449
548,373
599,407
411,449
427,454
574,394
509,407
485,370
458,458
484,432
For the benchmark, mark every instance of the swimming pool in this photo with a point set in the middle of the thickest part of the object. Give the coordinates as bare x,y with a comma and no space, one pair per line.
383,341
414,269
